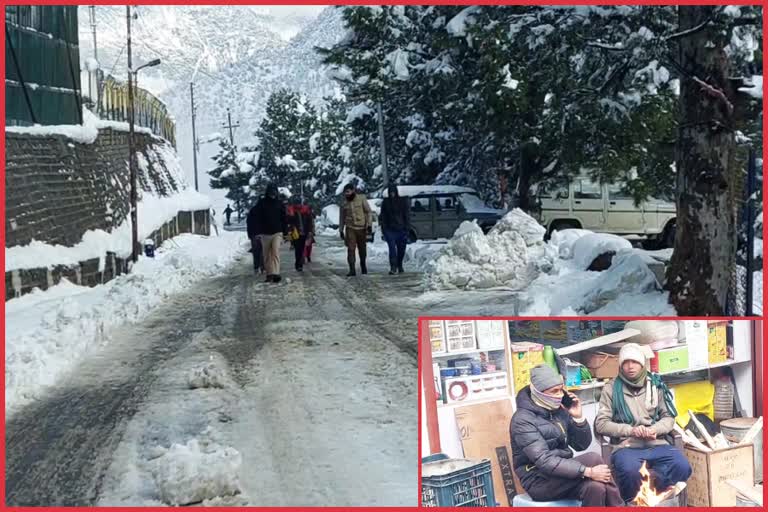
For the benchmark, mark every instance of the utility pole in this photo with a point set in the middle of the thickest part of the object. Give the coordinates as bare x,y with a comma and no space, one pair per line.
383,145
194,134
131,163
230,126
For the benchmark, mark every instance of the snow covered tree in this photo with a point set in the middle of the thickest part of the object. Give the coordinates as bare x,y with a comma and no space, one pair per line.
283,142
229,175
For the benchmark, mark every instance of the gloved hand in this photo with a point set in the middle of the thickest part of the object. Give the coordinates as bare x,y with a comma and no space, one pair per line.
341,233
369,230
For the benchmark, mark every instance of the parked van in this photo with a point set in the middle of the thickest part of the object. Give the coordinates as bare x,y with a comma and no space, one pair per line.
436,211
606,209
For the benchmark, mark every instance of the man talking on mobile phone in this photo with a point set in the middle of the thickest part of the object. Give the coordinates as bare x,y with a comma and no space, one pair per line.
544,430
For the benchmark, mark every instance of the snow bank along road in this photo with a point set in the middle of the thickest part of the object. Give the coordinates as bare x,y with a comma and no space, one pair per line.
318,395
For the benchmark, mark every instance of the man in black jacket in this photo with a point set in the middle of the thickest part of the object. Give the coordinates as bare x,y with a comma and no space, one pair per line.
543,431
266,220
394,221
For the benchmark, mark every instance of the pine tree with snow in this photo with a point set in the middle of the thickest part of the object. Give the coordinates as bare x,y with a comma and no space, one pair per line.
228,174
283,142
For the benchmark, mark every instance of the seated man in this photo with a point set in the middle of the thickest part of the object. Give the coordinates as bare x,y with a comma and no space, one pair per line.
543,432
636,412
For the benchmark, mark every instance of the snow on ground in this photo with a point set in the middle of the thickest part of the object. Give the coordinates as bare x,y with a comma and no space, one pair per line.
153,212
48,332
588,247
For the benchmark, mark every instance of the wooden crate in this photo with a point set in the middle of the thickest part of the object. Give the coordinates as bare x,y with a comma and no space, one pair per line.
707,487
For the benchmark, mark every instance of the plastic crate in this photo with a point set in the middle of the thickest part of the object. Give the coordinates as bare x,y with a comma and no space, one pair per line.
471,486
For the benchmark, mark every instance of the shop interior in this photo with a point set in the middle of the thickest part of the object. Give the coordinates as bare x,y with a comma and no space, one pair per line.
471,371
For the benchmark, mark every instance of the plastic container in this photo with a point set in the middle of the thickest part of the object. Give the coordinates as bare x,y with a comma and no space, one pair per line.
549,357
734,431
448,372
572,374
723,399
469,485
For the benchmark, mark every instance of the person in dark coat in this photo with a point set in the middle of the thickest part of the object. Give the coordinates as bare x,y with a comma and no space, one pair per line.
394,220
301,227
228,212
267,221
543,432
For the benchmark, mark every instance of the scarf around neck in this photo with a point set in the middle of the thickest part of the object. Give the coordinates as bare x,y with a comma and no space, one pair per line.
638,382
548,402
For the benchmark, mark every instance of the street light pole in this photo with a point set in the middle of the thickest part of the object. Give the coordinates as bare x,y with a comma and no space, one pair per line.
194,135
131,163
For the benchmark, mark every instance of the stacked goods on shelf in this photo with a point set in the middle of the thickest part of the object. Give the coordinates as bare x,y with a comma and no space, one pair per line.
694,333
460,335
525,356
490,334
437,337
717,336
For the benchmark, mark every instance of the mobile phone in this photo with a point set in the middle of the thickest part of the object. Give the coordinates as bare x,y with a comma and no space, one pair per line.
567,401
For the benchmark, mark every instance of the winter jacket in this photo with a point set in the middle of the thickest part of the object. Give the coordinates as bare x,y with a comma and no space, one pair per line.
620,433
355,214
395,214
267,217
301,218
541,441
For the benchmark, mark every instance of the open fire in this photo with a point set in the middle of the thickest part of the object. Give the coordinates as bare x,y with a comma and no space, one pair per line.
648,496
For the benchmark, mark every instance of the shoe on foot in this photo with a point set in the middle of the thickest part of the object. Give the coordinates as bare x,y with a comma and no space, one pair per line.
351,273
299,269
363,269
269,278
309,260
400,269
276,279
392,270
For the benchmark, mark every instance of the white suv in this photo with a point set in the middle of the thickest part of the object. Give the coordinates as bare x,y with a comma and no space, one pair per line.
606,209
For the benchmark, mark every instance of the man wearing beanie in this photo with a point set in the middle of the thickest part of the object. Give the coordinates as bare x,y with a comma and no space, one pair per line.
543,431
637,413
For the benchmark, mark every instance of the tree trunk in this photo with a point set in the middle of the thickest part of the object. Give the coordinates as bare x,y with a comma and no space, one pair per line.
699,274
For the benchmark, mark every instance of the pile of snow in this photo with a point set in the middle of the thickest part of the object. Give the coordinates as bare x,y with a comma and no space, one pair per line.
629,274
588,247
209,375
511,255
328,218
565,239
194,472
85,133
49,332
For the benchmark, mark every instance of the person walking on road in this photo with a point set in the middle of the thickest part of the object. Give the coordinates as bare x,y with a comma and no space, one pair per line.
267,221
301,227
228,212
354,225
394,221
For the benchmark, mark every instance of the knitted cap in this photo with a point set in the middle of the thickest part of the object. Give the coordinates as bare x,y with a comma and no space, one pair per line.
632,352
544,377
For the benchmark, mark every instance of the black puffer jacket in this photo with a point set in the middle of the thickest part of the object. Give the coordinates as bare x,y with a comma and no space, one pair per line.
267,217
541,440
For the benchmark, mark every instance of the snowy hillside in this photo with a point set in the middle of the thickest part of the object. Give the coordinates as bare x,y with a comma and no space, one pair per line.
237,56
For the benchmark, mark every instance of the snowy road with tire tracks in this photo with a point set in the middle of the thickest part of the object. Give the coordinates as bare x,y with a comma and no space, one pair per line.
319,399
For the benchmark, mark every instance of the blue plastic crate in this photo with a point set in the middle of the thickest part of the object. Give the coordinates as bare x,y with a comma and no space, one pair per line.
468,487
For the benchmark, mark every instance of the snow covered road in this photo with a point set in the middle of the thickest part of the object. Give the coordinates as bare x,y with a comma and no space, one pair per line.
318,404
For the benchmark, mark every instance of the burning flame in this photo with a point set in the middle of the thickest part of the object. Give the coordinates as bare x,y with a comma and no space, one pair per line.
647,495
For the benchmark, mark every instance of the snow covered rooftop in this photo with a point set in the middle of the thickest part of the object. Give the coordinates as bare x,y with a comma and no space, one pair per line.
415,190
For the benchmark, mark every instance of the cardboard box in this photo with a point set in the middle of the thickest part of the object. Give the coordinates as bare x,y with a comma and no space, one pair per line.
525,356
601,364
695,334
707,487
669,360
717,336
